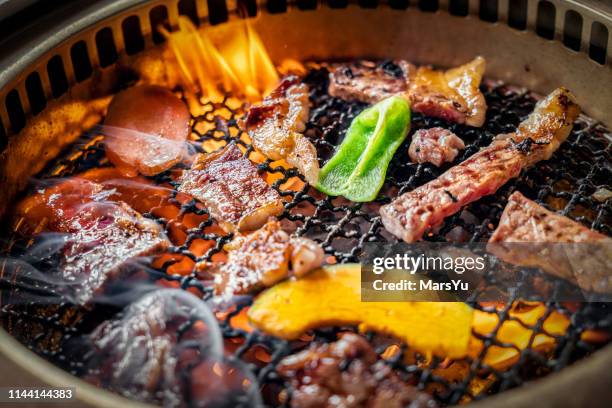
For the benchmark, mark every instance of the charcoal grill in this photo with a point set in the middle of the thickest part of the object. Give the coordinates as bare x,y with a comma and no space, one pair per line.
538,45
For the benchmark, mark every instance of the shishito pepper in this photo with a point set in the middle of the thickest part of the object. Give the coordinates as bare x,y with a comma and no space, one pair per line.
357,169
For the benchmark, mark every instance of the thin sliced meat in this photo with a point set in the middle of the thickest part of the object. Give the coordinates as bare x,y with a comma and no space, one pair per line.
146,129
275,127
51,208
139,192
524,220
586,263
166,349
436,146
153,349
453,95
347,373
232,189
135,355
366,81
104,236
101,236
264,258
537,138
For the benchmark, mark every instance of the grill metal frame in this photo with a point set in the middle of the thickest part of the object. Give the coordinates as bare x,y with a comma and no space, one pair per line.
112,13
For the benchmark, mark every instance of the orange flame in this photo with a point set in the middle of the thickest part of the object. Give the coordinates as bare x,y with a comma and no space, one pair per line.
240,64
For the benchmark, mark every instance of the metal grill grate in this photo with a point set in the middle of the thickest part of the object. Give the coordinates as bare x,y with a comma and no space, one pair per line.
566,183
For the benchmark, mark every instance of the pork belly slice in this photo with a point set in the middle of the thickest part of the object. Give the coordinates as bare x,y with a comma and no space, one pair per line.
264,258
436,146
586,264
537,138
100,236
276,127
453,95
347,373
228,184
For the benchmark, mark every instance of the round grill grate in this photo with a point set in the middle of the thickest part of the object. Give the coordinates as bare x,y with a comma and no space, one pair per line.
565,183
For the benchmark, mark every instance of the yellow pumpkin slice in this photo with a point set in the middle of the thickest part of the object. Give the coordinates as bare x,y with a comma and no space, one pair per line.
331,296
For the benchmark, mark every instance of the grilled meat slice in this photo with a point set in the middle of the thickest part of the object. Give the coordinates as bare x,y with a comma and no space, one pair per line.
100,236
140,193
230,187
524,221
52,208
255,261
347,373
275,127
146,129
166,349
135,354
265,257
436,145
452,95
536,138
366,81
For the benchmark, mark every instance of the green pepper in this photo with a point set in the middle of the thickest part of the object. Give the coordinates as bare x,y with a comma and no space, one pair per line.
358,167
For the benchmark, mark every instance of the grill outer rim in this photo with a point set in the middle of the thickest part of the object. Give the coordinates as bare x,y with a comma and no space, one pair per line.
66,27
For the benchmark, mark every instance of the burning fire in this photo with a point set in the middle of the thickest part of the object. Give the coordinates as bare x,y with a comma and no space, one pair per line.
240,64
516,333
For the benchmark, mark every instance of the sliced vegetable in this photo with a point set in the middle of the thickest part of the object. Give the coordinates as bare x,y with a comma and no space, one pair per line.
331,296
357,169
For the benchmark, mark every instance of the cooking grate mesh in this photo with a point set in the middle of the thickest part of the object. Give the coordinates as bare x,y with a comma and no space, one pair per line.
566,183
